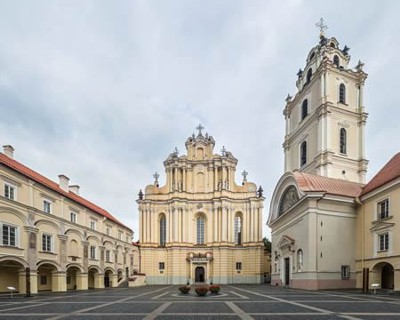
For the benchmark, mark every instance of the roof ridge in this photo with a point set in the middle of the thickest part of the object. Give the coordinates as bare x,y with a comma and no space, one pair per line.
30,173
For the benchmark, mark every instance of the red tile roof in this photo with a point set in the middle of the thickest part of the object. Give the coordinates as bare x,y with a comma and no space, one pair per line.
311,182
388,173
20,168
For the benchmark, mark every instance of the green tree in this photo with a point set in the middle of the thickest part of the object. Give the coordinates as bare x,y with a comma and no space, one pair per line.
267,244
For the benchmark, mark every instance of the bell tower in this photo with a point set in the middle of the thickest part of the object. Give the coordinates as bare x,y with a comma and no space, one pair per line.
325,120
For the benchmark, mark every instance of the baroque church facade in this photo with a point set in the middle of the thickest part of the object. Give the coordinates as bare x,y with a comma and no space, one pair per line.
313,211
201,227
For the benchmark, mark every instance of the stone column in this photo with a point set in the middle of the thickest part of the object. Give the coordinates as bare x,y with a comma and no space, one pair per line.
82,281
85,262
63,250
31,246
59,281
101,261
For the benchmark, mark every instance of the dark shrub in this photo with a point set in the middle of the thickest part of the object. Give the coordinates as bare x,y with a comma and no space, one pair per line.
215,288
184,289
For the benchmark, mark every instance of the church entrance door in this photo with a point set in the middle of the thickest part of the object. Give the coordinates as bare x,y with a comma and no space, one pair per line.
287,271
199,274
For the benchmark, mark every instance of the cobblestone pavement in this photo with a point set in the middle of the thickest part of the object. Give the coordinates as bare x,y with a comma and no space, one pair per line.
233,302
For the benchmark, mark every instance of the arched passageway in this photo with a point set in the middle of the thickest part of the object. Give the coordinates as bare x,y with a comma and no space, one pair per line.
12,274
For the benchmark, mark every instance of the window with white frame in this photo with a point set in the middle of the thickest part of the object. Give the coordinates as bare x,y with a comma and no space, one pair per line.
238,230
92,252
47,206
47,242
383,209
345,270
383,241
200,230
92,225
9,235
108,256
10,191
74,217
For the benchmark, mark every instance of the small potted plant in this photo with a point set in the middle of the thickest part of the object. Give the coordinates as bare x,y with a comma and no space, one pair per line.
215,288
184,289
201,291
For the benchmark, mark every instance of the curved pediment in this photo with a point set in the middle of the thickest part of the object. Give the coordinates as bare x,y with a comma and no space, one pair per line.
286,194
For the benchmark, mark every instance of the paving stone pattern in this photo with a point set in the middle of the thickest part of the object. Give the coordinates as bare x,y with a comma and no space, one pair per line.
235,302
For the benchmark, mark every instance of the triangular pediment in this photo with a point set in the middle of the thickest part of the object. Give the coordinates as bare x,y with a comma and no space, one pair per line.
285,241
381,226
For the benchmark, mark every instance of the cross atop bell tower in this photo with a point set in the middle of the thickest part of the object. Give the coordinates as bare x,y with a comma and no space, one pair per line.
325,119
322,27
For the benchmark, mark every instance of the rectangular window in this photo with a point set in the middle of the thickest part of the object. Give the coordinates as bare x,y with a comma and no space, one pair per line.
119,235
68,280
47,240
384,242
47,206
92,252
345,270
127,238
93,225
73,217
108,256
161,265
383,209
238,266
9,235
43,280
108,231
9,191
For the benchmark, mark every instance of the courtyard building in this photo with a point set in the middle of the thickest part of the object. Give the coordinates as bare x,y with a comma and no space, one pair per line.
54,239
201,227
378,230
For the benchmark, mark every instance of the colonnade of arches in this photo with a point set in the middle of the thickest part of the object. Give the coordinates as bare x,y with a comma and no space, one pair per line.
49,276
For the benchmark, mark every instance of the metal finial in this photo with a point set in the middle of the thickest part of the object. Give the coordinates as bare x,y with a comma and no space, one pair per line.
244,174
156,176
322,26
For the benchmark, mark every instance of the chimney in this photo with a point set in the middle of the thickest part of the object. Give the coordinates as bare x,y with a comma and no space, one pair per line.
74,189
64,180
8,151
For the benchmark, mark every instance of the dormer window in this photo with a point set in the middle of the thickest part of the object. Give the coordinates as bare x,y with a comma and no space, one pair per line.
304,109
336,60
309,75
333,45
342,93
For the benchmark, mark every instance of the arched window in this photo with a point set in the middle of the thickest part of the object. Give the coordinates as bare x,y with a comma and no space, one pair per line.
309,75
238,230
336,60
312,56
304,109
163,230
342,93
343,141
303,153
200,230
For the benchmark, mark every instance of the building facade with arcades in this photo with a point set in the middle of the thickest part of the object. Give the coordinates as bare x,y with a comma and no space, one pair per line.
201,227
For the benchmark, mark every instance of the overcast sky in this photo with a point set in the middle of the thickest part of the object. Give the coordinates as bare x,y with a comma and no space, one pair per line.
103,91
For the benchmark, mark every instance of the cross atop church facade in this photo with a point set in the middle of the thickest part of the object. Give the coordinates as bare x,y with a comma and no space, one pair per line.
244,174
200,127
322,26
156,176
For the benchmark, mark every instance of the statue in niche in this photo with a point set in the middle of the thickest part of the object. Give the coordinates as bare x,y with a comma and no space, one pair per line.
299,259
226,184
173,186
179,186
220,185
